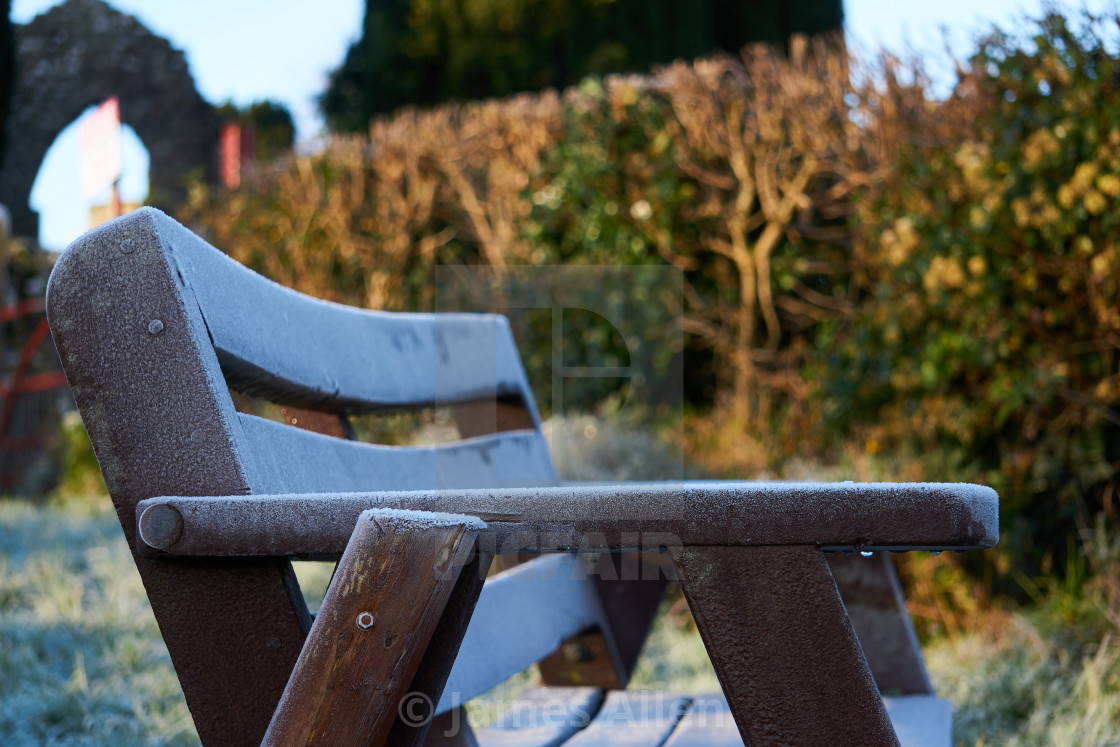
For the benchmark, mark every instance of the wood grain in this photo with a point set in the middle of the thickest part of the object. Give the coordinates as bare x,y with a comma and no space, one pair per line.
370,635
443,648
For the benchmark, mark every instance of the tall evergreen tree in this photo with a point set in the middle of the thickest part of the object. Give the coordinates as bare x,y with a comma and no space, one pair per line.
428,51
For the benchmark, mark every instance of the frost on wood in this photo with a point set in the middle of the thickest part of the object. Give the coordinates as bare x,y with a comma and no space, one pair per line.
400,521
628,516
280,345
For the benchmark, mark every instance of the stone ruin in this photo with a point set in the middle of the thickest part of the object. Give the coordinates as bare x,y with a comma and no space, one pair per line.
79,54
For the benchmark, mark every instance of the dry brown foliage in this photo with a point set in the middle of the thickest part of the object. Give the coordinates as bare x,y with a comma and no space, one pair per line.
357,220
771,146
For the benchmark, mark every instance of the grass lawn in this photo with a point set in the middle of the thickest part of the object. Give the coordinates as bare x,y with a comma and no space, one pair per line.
81,658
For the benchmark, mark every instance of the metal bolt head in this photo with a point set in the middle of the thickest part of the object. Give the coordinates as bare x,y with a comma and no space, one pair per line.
161,526
155,327
197,436
365,621
128,246
575,652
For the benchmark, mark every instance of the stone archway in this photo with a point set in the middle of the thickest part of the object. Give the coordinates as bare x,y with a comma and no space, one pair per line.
80,53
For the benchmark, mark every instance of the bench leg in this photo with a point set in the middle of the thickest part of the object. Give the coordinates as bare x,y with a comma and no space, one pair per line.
431,676
779,638
366,645
877,609
450,729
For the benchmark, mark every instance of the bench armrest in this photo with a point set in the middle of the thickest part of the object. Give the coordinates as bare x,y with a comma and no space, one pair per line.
596,518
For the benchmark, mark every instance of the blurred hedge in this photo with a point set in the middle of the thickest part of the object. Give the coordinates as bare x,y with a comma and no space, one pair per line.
735,171
990,329
867,270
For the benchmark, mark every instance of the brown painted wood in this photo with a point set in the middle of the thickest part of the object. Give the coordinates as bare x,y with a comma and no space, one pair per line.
155,327
431,675
779,638
593,518
451,729
316,421
631,586
482,418
877,609
368,639
158,412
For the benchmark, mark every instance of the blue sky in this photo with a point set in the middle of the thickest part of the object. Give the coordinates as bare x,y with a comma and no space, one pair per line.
246,50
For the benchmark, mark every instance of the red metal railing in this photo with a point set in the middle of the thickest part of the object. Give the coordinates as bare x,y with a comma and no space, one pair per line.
22,382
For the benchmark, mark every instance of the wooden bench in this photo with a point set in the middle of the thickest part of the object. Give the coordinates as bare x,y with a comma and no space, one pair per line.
159,333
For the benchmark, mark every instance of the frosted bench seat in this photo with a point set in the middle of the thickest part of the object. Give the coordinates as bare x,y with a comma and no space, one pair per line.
553,716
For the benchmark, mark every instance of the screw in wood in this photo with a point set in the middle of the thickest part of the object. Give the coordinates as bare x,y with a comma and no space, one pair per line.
127,246
155,327
365,621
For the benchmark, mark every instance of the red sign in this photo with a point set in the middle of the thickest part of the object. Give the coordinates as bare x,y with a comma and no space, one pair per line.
99,136
231,155
236,150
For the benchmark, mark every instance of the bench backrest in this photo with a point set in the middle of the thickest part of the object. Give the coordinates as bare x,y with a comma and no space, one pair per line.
155,327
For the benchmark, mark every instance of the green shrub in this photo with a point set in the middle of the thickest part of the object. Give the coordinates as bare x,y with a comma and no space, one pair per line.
734,172
81,475
990,328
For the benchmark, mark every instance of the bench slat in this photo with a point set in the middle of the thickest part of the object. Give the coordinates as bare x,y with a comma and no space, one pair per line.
291,460
921,720
542,717
707,723
523,615
283,346
873,516
633,718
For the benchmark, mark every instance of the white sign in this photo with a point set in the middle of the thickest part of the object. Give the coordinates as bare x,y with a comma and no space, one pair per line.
99,136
